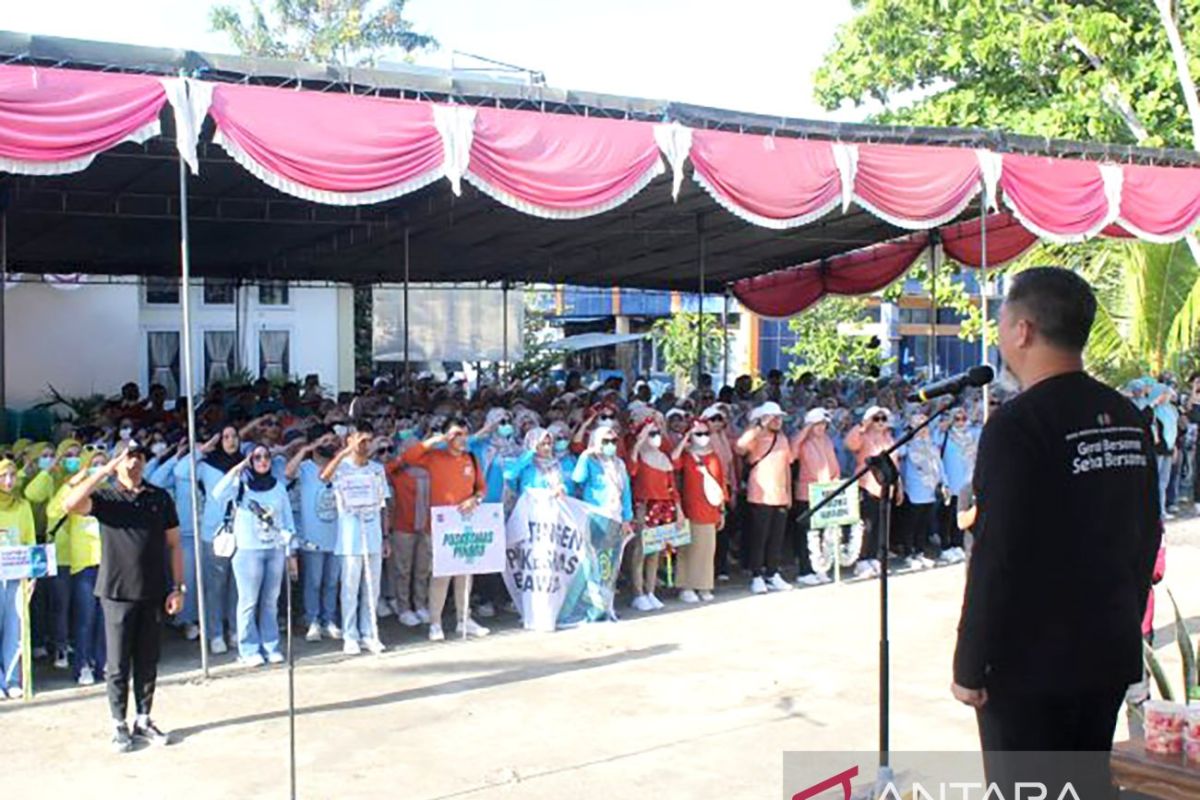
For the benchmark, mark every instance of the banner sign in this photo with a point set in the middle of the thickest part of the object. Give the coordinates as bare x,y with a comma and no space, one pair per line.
563,559
35,561
842,510
675,534
467,545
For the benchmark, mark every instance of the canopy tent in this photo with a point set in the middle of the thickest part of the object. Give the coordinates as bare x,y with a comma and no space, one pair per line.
592,341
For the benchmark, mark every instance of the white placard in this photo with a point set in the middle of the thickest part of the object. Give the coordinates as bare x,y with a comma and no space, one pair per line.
467,545
36,561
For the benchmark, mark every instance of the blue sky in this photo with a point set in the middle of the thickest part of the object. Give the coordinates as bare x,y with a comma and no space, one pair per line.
747,55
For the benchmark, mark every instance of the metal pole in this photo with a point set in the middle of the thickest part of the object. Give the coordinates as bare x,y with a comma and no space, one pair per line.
407,376
185,261
725,341
3,337
502,369
983,292
933,304
700,306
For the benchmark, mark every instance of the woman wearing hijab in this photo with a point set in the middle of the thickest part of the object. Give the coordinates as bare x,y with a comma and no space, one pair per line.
723,440
538,467
80,536
561,433
16,529
866,440
959,447
813,449
263,528
656,500
220,454
922,475
1166,431
602,478
702,489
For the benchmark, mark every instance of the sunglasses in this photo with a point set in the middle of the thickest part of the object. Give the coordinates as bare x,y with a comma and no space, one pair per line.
261,457
386,451
879,418
607,416
717,418
271,423
608,441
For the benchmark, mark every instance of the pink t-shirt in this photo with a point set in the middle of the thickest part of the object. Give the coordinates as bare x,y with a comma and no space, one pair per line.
818,461
770,481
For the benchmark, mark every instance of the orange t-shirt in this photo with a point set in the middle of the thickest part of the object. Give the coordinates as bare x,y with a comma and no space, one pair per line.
404,499
695,502
452,479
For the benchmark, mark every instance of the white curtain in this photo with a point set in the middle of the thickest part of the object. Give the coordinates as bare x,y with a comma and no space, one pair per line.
273,353
218,347
164,349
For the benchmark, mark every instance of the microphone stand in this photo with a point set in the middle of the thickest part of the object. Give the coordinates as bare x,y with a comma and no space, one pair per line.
885,471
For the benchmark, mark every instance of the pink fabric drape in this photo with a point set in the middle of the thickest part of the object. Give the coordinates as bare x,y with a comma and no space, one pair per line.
771,181
1058,199
560,166
331,148
1007,238
54,121
1160,203
916,187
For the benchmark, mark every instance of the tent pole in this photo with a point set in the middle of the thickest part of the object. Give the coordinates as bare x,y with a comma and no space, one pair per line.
503,368
185,260
725,340
933,304
983,293
700,305
407,376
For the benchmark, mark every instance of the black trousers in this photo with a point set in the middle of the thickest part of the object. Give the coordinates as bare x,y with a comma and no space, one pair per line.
731,535
798,534
948,530
132,634
767,530
868,506
1028,737
916,521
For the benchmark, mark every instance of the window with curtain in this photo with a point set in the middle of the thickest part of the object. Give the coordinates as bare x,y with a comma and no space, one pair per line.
273,293
218,356
163,357
274,354
218,292
162,291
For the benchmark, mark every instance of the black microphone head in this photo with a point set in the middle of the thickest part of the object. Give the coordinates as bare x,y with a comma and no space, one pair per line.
981,375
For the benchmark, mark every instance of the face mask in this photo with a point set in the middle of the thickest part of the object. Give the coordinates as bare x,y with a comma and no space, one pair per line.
404,435
505,430
606,422
655,439
608,449
701,440
340,431
45,462
126,433
94,470
71,464
326,452
561,445
158,448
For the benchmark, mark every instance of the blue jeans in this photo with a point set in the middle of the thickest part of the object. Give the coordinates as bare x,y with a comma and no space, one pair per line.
60,608
360,591
190,614
10,634
89,623
220,593
1164,477
321,572
259,575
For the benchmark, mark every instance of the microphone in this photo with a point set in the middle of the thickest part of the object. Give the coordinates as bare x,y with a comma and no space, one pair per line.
975,376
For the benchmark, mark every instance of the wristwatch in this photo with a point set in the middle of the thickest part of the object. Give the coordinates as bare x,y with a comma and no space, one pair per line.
181,589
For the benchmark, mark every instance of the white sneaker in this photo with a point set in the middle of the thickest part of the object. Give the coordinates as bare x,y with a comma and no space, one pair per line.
275,658
472,628
255,660
778,584
641,603
706,597
758,586
688,596
436,634
86,676
314,633
333,631
486,610
385,610
217,646
1167,515
823,577
423,615
409,620
191,631
811,579
876,567
655,603
928,562
724,578
862,569
374,646
61,661
351,647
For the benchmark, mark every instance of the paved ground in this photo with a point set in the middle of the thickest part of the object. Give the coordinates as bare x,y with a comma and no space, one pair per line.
695,703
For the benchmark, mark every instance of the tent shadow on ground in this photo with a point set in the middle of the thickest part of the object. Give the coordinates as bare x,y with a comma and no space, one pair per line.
529,672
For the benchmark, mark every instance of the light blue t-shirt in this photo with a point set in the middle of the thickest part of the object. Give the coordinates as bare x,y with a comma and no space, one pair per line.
361,494
959,468
249,530
921,482
318,509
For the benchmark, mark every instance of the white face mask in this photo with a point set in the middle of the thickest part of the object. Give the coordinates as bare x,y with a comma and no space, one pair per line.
700,440
655,439
158,448
125,433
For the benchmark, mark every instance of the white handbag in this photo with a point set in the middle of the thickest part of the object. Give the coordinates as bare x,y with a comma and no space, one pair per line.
714,493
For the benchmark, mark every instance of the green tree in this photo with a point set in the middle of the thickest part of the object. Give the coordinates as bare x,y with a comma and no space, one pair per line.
676,339
346,32
825,347
539,353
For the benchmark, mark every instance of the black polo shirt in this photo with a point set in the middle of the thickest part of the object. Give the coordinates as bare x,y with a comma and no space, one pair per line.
133,542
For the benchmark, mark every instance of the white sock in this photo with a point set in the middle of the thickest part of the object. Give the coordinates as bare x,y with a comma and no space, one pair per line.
143,720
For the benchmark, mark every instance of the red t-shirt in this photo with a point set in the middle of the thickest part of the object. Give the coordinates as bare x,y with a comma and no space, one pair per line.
695,502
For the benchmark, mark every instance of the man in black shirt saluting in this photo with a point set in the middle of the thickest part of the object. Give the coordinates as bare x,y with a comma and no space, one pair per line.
138,527
1067,533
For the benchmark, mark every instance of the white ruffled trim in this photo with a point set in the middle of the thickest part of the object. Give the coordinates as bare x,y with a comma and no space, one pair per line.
916,225
1050,236
757,219
18,166
534,210
288,186
1114,183
190,100
1158,238
456,126
991,165
675,142
846,158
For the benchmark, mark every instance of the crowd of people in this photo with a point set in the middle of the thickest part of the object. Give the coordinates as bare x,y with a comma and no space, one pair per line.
335,493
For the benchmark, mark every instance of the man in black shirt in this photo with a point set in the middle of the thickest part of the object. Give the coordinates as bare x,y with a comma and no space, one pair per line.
138,528
1067,532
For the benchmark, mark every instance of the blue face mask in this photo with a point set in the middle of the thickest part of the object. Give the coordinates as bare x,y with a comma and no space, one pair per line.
45,462
404,435
505,430
94,470
71,464
608,449
561,445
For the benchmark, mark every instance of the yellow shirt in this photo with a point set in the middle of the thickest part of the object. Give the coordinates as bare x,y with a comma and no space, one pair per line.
16,524
40,490
78,539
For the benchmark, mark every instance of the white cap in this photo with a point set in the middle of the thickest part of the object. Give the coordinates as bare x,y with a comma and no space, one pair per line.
677,412
595,386
816,415
873,410
767,409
